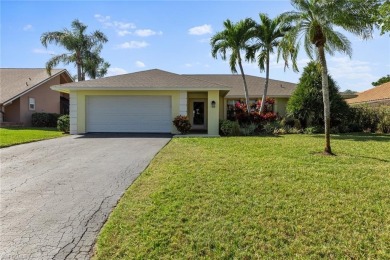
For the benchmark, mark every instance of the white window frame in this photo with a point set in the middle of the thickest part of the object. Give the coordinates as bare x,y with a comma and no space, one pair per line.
31,103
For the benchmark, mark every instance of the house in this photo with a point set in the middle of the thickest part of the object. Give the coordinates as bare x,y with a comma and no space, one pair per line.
379,95
25,91
147,101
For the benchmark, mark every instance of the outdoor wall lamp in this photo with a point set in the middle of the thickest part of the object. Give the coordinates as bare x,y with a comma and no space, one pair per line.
213,104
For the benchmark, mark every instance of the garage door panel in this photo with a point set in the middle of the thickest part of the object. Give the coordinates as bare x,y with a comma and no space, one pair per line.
128,114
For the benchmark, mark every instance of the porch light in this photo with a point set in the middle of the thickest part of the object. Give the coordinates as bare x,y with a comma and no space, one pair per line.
213,104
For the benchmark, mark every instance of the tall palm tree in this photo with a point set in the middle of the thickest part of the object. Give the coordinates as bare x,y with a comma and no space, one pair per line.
81,47
234,39
268,35
315,21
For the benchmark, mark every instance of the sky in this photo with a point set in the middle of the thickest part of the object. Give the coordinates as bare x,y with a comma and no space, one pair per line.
169,35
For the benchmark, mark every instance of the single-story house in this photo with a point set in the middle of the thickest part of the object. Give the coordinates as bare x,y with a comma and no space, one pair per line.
25,91
379,95
148,101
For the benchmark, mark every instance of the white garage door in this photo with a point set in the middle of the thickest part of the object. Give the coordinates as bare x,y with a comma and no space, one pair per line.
137,114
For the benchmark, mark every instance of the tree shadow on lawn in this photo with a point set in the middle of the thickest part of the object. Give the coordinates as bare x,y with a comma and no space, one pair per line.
360,137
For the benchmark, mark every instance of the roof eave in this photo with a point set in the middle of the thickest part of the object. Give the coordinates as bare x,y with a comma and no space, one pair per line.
68,89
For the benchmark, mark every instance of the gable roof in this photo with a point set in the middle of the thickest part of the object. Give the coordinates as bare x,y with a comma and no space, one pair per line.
16,82
375,94
276,88
150,79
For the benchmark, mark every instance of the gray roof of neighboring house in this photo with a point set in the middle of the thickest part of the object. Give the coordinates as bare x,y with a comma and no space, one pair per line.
149,79
15,82
276,88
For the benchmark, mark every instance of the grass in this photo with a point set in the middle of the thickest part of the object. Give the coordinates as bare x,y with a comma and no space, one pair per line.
18,135
256,197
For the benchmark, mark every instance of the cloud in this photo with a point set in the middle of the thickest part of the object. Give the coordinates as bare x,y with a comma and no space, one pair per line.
200,30
115,71
140,64
121,28
353,74
27,27
146,32
133,45
43,51
123,32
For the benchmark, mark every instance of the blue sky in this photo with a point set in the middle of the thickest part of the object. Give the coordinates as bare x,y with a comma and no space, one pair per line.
168,35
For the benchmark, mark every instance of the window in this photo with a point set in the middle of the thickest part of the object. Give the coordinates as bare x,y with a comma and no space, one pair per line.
31,103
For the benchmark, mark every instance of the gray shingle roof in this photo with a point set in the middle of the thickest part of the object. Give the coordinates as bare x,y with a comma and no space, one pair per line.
276,88
159,79
14,82
149,79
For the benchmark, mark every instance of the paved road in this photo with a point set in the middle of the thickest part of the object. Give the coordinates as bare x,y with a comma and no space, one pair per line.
56,194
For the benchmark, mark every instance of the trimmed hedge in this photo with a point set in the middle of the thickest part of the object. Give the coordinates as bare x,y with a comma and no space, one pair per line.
44,119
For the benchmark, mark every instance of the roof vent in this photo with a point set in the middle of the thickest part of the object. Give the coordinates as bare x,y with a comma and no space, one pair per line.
26,84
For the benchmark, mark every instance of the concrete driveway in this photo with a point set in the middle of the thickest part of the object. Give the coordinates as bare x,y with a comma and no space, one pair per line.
56,194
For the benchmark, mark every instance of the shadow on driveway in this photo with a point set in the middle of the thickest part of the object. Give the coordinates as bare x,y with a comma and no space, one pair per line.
126,135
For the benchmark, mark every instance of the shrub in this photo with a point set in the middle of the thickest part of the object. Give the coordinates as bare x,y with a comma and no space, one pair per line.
313,130
270,127
306,103
369,119
182,124
44,119
63,123
229,128
248,130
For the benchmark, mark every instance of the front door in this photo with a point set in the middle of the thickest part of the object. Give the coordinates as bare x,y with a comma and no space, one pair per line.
198,114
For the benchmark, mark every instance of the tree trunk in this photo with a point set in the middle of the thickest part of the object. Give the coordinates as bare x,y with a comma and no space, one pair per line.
325,97
79,73
245,85
264,98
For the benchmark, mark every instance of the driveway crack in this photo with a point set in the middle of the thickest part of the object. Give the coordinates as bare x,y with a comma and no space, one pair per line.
86,227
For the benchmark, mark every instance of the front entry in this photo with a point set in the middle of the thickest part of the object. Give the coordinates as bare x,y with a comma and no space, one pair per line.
198,114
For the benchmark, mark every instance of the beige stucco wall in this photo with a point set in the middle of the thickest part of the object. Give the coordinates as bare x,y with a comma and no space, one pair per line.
280,106
213,113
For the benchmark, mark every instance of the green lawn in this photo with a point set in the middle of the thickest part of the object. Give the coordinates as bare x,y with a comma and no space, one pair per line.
17,135
257,197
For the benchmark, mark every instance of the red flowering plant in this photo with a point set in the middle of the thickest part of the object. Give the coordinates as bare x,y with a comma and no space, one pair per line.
182,124
240,113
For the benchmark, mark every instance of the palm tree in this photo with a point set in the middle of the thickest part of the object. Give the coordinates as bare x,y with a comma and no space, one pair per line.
95,66
82,48
233,39
315,20
269,34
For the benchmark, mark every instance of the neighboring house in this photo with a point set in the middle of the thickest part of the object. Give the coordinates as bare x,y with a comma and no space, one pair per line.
147,101
25,91
379,95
